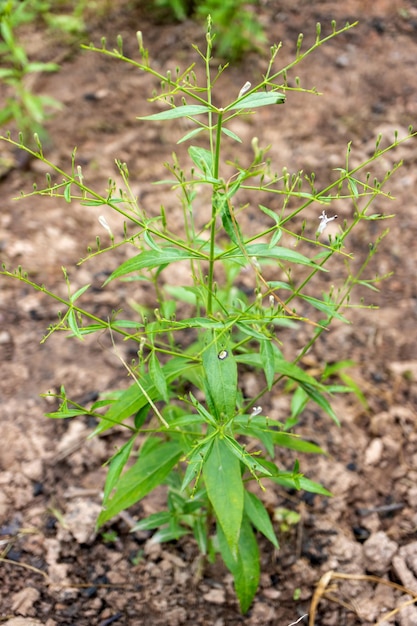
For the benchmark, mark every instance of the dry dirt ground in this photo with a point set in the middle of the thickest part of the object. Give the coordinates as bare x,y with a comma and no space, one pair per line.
53,570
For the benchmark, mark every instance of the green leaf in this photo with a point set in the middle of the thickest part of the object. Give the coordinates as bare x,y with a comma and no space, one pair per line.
244,457
65,413
183,111
41,67
231,227
152,258
170,533
205,415
157,376
202,159
317,396
275,238
355,388
248,426
132,399
293,442
200,534
220,378
298,402
153,521
281,366
79,293
283,254
203,322
262,250
196,462
302,483
332,369
6,73
231,134
267,358
117,463
270,213
329,308
73,323
67,193
259,99
190,295
279,284
259,517
147,237
141,416
149,471
224,486
245,567
190,135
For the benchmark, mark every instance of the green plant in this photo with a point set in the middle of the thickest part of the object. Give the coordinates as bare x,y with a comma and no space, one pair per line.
180,9
190,425
286,519
110,536
27,109
237,24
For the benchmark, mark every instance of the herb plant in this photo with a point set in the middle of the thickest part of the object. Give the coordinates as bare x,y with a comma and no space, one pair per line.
190,425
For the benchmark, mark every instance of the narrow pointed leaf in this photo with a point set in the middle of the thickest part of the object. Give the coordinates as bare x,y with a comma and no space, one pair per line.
245,567
302,483
231,134
223,482
157,376
259,99
149,471
220,377
190,135
230,226
79,293
117,463
150,259
244,457
196,461
183,111
318,397
329,308
132,399
65,413
153,521
292,442
278,253
73,324
259,517
202,159
267,357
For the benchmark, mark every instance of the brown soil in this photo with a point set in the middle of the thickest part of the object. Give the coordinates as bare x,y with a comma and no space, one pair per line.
54,569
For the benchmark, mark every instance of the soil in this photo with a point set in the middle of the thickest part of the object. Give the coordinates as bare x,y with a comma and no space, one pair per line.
54,569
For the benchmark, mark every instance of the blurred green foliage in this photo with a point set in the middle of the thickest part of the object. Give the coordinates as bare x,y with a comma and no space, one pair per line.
237,24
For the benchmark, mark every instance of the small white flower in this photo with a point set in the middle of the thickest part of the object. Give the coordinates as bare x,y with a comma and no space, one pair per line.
245,88
105,225
324,221
256,410
271,301
255,263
